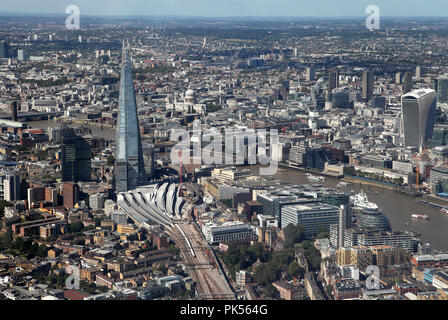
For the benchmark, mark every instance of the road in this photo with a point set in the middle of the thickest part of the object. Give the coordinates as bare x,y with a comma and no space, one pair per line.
211,284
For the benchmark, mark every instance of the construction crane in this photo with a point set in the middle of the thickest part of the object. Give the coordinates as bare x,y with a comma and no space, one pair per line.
424,151
180,173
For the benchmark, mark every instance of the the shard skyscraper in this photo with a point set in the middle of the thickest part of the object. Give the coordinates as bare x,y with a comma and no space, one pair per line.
129,165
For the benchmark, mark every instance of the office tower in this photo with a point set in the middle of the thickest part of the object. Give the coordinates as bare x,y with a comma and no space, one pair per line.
21,55
311,216
310,73
418,73
11,187
419,112
70,193
407,82
378,102
4,49
14,106
340,99
119,217
367,85
333,81
148,157
76,157
398,78
80,39
129,165
442,90
96,201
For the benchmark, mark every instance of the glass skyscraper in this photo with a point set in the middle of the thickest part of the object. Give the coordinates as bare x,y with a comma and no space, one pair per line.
129,165
419,113
442,90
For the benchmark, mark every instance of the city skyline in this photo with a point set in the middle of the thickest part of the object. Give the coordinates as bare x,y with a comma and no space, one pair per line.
314,154
232,8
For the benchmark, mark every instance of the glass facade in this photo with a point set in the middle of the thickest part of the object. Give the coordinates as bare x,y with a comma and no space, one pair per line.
442,90
76,157
310,216
419,113
439,136
374,220
129,165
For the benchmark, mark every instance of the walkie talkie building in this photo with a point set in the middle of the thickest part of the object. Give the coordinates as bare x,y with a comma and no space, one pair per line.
419,112
129,165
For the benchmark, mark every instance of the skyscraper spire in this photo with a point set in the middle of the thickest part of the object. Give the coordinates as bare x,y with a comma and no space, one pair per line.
129,166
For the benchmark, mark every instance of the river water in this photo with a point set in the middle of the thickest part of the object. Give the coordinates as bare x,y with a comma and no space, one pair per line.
106,133
396,206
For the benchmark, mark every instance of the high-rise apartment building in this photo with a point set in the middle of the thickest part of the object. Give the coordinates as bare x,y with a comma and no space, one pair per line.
11,187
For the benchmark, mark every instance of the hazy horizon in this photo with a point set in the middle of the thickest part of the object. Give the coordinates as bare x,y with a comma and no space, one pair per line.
231,8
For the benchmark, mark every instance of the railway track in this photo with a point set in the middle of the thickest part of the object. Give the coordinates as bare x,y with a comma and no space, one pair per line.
210,283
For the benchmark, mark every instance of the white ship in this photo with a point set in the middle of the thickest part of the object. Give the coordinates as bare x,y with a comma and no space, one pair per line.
311,177
343,184
360,200
420,216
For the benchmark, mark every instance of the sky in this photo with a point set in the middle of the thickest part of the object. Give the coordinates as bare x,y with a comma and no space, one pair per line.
228,8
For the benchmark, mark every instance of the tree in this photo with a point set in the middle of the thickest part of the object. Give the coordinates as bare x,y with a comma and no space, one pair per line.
111,160
174,250
295,270
315,262
227,202
293,234
76,226
97,222
322,235
271,291
329,290
80,242
6,239
42,251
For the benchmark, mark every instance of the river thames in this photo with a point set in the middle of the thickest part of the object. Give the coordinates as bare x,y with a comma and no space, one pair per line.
106,133
396,206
